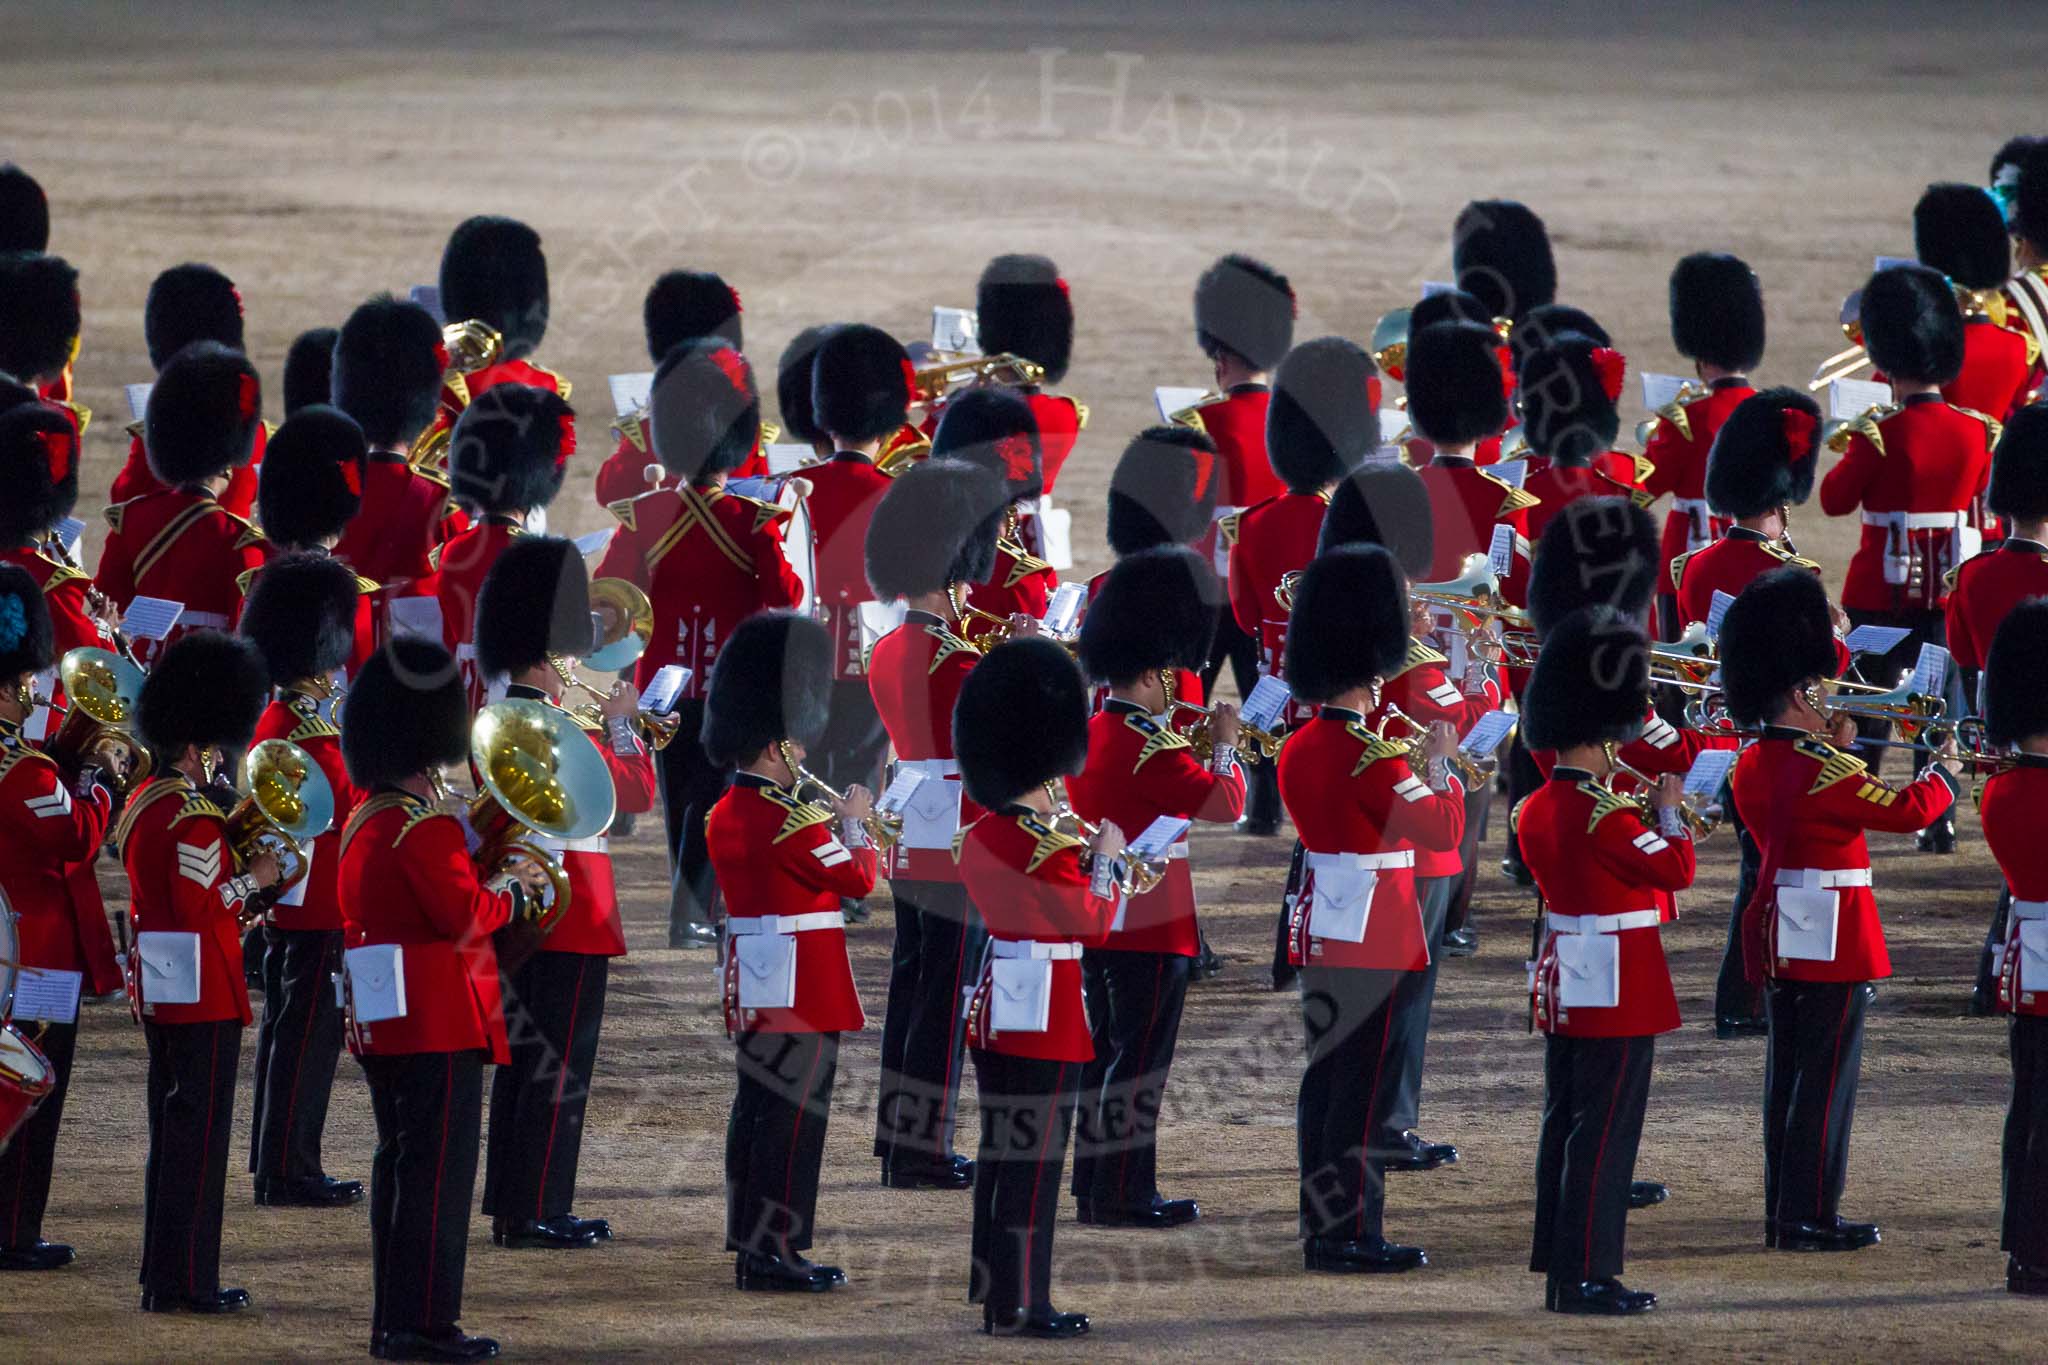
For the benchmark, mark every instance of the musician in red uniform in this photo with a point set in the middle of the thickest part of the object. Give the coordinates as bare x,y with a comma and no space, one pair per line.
301,617
1356,926
785,865
793,389
1455,402
1602,990
1152,620
1985,589
179,543
1717,322
39,324
2011,806
1047,894
1569,391
2026,215
1323,422
388,364
189,303
53,816
935,529
1811,934
707,559
995,429
681,305
24,211
533,617
416,909
1914,469
309,371
506,459
1162,492
310,489
190,888
1959,231
1023,308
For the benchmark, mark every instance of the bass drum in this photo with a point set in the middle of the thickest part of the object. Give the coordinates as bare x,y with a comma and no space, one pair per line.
26,1080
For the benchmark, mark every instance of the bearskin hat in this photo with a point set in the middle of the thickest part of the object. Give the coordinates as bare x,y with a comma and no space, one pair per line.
2015,703
936,525
1156,610
1912,325
28,642
793,383
311,480
1349,624
406,713
39,455
493,271
1245,308
1959,230
705,414
535,601
1594,552
1021,721
2003,177
1382,504
1447,305
1777,635
189,303
207,688
686,304
2029,214
202,415
309,369
1547,324
1570,389
997,430
860,383
388,364
1765,454
1323,419
1022,309
39,317
771,682
24,211
2019,466
301,614
510,448
1500,252
1591,684
1717,311
1455,388
1163,489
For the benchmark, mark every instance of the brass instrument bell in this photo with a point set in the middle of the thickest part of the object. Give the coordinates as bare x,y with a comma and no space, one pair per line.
102,693
288,803
540,775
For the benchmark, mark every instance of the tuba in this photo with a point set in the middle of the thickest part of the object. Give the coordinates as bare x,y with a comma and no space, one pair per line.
101,691
289,804
542,779
471,346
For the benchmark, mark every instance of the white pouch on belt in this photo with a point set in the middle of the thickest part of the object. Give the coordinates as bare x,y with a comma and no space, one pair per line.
1021,994
1342,902
1806,923
2033,955
376,981
170,966
1588,970
767,964
931,815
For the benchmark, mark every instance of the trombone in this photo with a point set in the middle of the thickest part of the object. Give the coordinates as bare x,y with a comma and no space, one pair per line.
884,829
934,383
1914,713
1134,876
289,804
1700,820
1852,358
98,603
1254,745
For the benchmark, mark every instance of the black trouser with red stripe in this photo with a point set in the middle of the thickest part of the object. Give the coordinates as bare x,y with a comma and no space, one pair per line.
690,786
1134,1002
1594,1094
1351,1079
297,1048
1810,1096
775,1139
191,1099
429,1108
2024,1234
26,1163
939,943
1027,1113
554,1008
1414,995
1734,997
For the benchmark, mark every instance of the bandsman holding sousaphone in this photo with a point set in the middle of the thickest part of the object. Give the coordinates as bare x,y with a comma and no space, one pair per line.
533,620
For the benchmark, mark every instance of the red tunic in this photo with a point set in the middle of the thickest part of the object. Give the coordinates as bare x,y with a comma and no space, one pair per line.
392,537
1424,693
777,856
1351,793
1267,542
1026,880
1985,589
173,842
406,877
1924,460
1060,421
1593,854
461,564
1555,486
459,390
915,676
623,475
239,497
72,626
1019,583
2000,369
1678,456
1465,504
314,901
1236,422
2012,809
184,547
1729,565
1139,770
844,491
52,837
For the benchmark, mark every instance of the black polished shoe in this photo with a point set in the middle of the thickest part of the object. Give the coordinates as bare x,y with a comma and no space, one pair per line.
1598,1298
37,1255
1044,1322
1207,964
554,1234
1417,1153
1517,871
921,1173
1160,1213
219,1301
2025,1279
758,1272
830,1273
317,1192
1840,1235
1258,829
1741,1026
693,936
600,1229
1375,1257
1939,837
1460,943
450,1345
1643,1193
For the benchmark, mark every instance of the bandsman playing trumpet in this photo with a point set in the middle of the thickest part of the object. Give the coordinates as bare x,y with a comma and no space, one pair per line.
1153,618
388,364
681,306
533,618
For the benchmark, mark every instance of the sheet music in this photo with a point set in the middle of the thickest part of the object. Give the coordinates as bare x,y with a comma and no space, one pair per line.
1514,473
417,616
663,688
631,392
151,618
1930,670
899,792
1394,426
786,457
428,296
68,532
1158,838
1661,390
1172,399
1852,397
1431,288
1500,554
47,994
1875,639
138,399
594,543
1708,772
1887,262
956,330
1717,609
1063,608
1487,733
1263,708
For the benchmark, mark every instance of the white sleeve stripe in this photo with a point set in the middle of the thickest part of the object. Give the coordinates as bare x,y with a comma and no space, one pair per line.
1660,733
832,853
1411,788
197,875
1443,694
1651,843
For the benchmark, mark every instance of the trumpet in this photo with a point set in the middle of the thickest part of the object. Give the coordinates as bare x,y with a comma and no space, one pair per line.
657,728
883,829
1475,771
1134,876
289,804
1254,745
934,383
102,692
982,629
1701,821
542,780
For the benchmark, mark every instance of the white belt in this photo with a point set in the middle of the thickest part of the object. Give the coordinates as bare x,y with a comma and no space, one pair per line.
596,843
1692,506
1025,947
203,620
1822,878
1605,924
2030,909
930,767
1918,521
1363,862
743,925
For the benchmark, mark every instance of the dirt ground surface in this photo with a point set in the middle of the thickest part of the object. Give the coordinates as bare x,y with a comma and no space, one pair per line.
841,162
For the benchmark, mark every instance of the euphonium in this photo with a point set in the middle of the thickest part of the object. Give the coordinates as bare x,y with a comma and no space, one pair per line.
883,829
541,776
935,382
472,345
1389,344
101,693
288,804
1134,876
1700,820
1253,744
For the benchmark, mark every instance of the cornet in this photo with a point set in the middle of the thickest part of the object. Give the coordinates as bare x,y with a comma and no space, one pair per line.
102,691
992,629
1700,820
1134,876
1476,772
884,829
1253,744
289,804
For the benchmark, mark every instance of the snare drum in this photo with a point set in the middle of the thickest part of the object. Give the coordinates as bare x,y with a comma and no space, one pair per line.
25,1081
